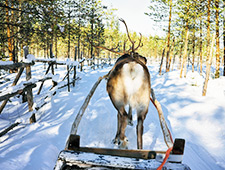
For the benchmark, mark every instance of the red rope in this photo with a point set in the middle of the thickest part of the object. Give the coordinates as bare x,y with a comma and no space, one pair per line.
165,159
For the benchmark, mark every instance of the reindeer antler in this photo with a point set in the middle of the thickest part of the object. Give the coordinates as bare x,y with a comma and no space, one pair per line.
111,50
132,49
105,48
139,45
128,35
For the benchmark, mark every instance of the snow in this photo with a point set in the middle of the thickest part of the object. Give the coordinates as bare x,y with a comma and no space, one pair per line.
61,28
199,120
114,161
6,62
48,59
29,58
55,78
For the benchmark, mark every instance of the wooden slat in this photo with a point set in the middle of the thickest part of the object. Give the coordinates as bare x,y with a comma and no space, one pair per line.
73,144
13,84
140,154
51,61
19,91
15,66
8,129
39,91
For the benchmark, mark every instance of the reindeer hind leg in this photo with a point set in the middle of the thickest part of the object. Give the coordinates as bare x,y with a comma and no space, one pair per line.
116,139
130,119
120,138
123,138
141,117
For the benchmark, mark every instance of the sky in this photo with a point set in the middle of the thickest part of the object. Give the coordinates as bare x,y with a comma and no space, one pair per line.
132,11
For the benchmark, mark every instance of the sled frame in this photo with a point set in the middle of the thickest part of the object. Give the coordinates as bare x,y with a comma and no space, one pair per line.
73,148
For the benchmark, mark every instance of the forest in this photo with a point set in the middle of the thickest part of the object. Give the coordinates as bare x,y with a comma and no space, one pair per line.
64,24
54,55
73,24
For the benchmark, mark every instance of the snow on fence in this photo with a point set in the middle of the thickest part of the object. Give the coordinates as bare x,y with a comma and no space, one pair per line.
25,88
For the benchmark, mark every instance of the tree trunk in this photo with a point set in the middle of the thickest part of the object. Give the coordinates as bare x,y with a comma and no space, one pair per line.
193,51
12,34
184,63
200,45
92,36
155,52
78,46
223,37
56,43
19,58
10,45
68,55
208,32
181,50
21,51
56,49
208,67
37,50
185,53
160,68
168,39
171,53
217,74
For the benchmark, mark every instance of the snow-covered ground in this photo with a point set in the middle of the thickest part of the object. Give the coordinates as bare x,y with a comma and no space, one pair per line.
199,120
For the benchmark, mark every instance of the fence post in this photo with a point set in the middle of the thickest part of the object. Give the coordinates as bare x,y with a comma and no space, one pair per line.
51,56
93,62
29,90
81,64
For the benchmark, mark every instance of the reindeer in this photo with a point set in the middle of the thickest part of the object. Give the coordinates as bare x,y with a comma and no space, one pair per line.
128,83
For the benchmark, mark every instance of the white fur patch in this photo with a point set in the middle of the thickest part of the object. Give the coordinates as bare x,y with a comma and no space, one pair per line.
133,74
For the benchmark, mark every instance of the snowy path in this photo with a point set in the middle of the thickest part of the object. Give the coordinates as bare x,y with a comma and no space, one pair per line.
199,120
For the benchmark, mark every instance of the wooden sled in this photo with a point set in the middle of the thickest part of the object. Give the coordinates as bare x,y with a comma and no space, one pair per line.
76,157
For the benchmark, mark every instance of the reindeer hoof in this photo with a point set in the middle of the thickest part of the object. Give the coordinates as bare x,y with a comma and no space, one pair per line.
116,141
123,144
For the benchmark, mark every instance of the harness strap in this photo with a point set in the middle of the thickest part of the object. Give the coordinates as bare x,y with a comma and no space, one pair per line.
166,132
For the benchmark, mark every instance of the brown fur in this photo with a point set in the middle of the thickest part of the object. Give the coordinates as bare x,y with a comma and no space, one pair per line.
122,94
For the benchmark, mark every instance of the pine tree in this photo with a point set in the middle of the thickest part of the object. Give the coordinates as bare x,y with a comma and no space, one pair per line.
217,74
224,37
95,24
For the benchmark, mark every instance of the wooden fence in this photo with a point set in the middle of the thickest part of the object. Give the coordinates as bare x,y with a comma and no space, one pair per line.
26,88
